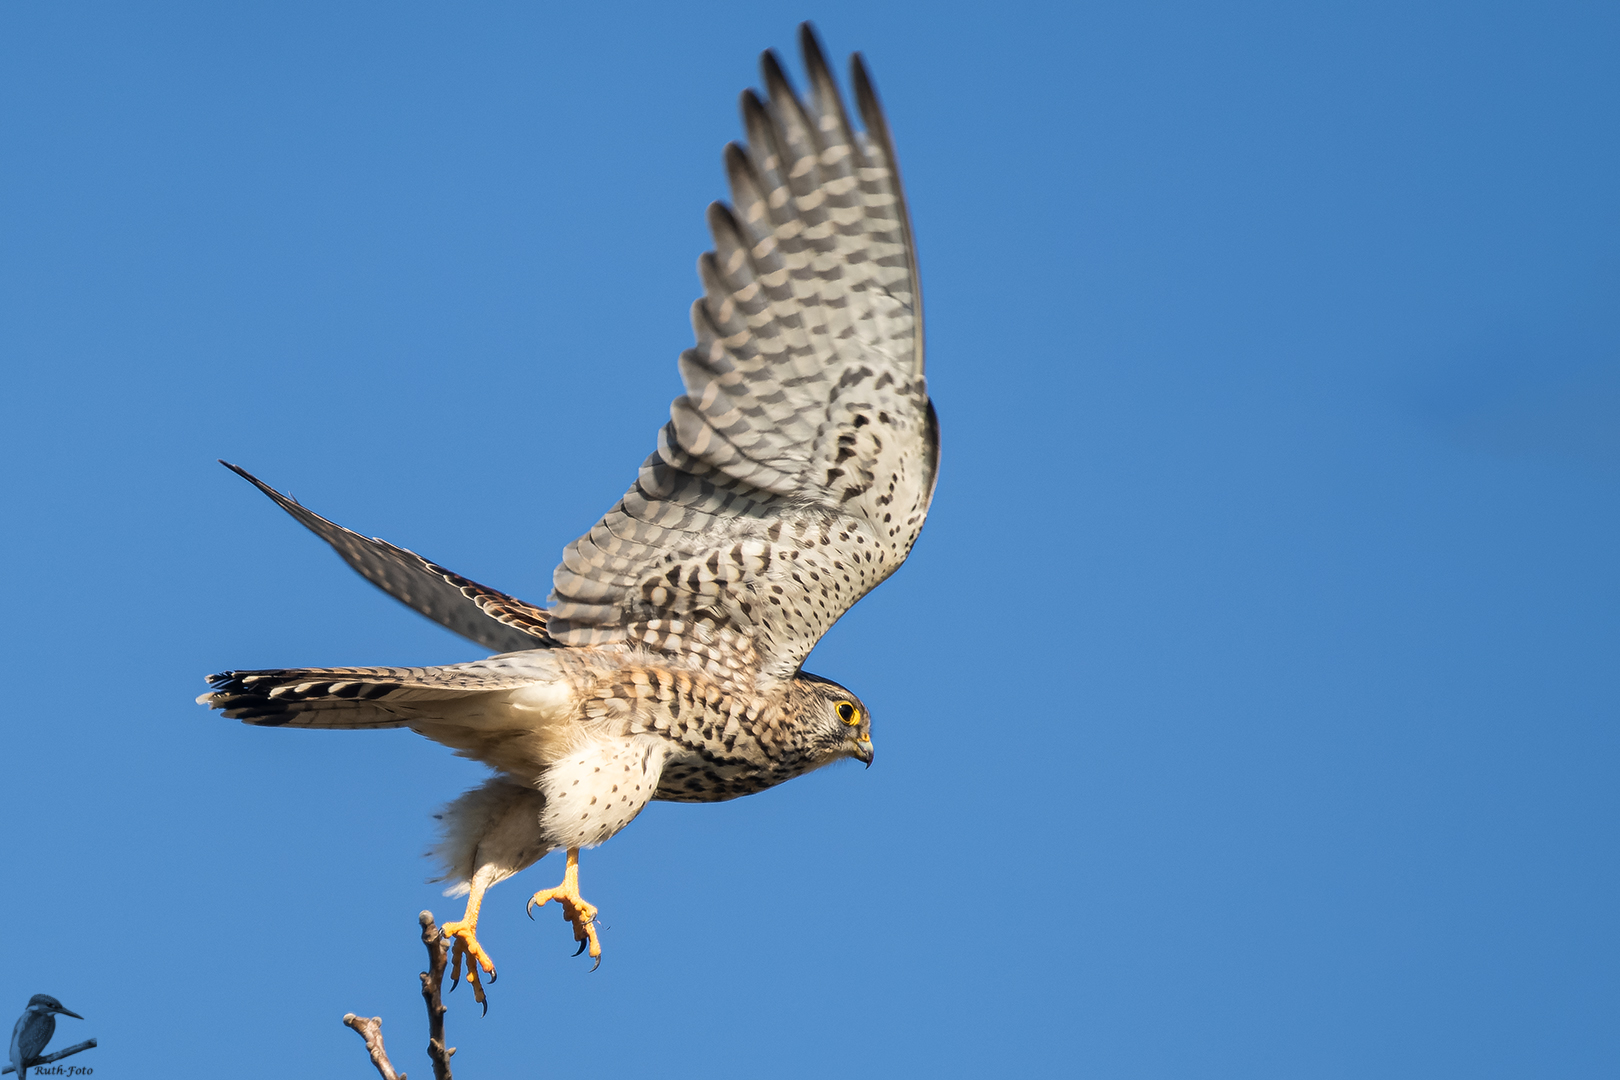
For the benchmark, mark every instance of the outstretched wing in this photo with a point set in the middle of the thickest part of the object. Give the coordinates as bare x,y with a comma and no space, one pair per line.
492,619
795,473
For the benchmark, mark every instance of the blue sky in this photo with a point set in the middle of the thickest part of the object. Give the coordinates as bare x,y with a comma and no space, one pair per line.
1248,707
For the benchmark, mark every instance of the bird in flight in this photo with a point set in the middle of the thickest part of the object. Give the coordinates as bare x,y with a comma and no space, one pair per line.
792,477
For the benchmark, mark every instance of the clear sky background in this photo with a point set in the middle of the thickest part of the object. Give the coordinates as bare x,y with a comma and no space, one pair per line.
1247,709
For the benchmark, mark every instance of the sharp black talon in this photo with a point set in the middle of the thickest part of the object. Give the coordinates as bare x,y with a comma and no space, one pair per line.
597,964
492,978
485,1003
582,949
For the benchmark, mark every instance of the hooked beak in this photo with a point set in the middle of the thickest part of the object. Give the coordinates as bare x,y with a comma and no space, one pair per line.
863,751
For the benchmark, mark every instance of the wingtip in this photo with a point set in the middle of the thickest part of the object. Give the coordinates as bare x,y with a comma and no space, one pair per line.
810,46
243,473
768,60
866,99
775,75
285,501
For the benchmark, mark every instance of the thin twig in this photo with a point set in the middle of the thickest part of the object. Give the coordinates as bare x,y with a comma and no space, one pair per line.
46,1059
438,952
371,1031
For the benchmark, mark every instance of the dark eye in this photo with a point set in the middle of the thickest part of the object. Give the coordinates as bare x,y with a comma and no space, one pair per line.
846,712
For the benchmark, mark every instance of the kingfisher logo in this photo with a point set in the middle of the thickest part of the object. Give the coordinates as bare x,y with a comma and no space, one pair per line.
31,1035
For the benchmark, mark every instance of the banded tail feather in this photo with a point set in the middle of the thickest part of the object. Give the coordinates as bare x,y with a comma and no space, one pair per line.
308,697
378,697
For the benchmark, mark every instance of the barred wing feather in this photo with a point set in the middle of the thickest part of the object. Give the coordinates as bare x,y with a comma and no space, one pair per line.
477,612
795,472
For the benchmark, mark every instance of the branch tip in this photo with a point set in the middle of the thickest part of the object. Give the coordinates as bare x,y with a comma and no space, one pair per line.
370,1029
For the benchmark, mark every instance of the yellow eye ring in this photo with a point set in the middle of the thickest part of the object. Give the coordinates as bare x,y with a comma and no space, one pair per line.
848,713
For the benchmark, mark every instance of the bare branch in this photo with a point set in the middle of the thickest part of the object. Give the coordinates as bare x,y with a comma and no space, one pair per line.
371,1031
46,1059
432,980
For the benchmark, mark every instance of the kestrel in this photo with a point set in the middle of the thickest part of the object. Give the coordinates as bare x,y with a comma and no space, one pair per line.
793,476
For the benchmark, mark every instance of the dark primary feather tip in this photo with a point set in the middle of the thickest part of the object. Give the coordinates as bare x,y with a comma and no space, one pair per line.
770,66
736,159
723,226
866,98
757,124
285,501
243,473
815,57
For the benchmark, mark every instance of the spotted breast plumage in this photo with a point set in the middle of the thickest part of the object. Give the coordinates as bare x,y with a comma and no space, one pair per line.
792,477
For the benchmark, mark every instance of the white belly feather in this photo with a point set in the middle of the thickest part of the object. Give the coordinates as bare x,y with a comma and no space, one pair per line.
599,787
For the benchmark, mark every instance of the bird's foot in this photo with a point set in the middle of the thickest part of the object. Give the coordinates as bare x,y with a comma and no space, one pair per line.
575,909
465,948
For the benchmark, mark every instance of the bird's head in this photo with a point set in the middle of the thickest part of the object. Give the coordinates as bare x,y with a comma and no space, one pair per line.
837,724
44,1003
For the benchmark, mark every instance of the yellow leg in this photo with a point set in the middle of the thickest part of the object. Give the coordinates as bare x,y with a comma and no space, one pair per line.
574,908
465,937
